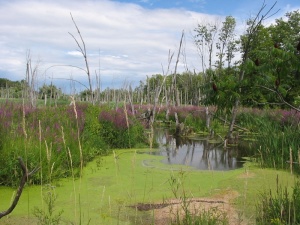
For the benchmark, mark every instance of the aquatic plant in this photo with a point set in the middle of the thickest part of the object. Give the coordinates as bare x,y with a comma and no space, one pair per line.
277,137
281,207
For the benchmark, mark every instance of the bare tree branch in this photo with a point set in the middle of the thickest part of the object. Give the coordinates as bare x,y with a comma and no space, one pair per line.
77,67
280,97
252,31
24,179
82,48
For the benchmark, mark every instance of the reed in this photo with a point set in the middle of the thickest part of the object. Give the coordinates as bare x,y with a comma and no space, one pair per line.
185,214
277,139
281,207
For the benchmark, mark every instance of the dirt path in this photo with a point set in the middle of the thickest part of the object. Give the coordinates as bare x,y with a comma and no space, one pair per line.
220,205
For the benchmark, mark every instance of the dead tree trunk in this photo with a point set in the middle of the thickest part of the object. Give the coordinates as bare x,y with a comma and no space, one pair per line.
83,51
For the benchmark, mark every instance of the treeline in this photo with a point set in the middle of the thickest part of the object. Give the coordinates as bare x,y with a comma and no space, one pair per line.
11,89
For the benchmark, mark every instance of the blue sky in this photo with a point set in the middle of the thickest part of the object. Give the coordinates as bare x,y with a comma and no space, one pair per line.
126,40
217,7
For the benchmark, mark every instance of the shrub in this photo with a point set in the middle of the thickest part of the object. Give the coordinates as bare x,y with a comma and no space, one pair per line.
120,129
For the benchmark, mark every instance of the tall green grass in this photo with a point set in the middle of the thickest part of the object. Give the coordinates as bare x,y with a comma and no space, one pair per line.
281,207
47,136
277,137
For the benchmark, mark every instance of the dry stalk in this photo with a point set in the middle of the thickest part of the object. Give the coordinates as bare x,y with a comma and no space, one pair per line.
80,152
41,164
78,136
291,160
24,121
127,122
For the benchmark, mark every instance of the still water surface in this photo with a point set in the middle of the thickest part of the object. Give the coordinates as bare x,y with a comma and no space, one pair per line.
201,154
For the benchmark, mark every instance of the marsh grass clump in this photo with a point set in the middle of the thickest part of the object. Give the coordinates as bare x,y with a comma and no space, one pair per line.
186,213
211,216
281,207
277,137
47,136
35,135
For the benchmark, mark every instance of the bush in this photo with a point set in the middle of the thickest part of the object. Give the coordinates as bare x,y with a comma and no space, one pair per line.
120,129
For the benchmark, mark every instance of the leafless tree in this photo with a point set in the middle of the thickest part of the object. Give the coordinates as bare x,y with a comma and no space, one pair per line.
31,79
82,50
174,83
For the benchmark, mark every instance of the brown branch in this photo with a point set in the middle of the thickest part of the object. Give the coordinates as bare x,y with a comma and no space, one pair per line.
23,181
280,97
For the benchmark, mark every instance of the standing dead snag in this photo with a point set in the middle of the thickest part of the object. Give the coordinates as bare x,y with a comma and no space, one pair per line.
23,181
82,50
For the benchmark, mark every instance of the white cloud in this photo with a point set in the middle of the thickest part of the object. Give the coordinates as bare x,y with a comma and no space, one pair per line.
75,53
132,41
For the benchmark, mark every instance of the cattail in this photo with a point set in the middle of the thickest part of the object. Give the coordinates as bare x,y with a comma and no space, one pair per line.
214,86
257,63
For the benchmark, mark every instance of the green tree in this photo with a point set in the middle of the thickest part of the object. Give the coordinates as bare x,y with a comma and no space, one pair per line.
226,45
51,91
11,89
278,70
205,41
226,88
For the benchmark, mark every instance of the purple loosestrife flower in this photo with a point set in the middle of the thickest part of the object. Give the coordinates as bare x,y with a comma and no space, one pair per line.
290,117
117,118
120,121
106,116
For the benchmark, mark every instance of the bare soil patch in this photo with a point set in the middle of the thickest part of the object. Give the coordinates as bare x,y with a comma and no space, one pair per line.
165,212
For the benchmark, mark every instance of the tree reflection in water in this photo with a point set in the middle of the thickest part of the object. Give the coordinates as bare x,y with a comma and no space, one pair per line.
201,154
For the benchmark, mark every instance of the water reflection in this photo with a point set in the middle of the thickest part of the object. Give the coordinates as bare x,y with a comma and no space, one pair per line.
201,154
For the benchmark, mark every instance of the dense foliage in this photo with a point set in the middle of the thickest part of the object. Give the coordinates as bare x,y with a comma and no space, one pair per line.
277,137
54,138
268,75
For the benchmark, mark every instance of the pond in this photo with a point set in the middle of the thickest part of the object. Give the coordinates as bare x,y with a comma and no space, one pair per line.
202,153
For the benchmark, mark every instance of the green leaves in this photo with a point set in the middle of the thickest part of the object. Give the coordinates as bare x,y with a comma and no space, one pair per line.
221,91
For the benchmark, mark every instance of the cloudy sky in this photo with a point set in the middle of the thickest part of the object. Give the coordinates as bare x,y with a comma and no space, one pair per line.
126,40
